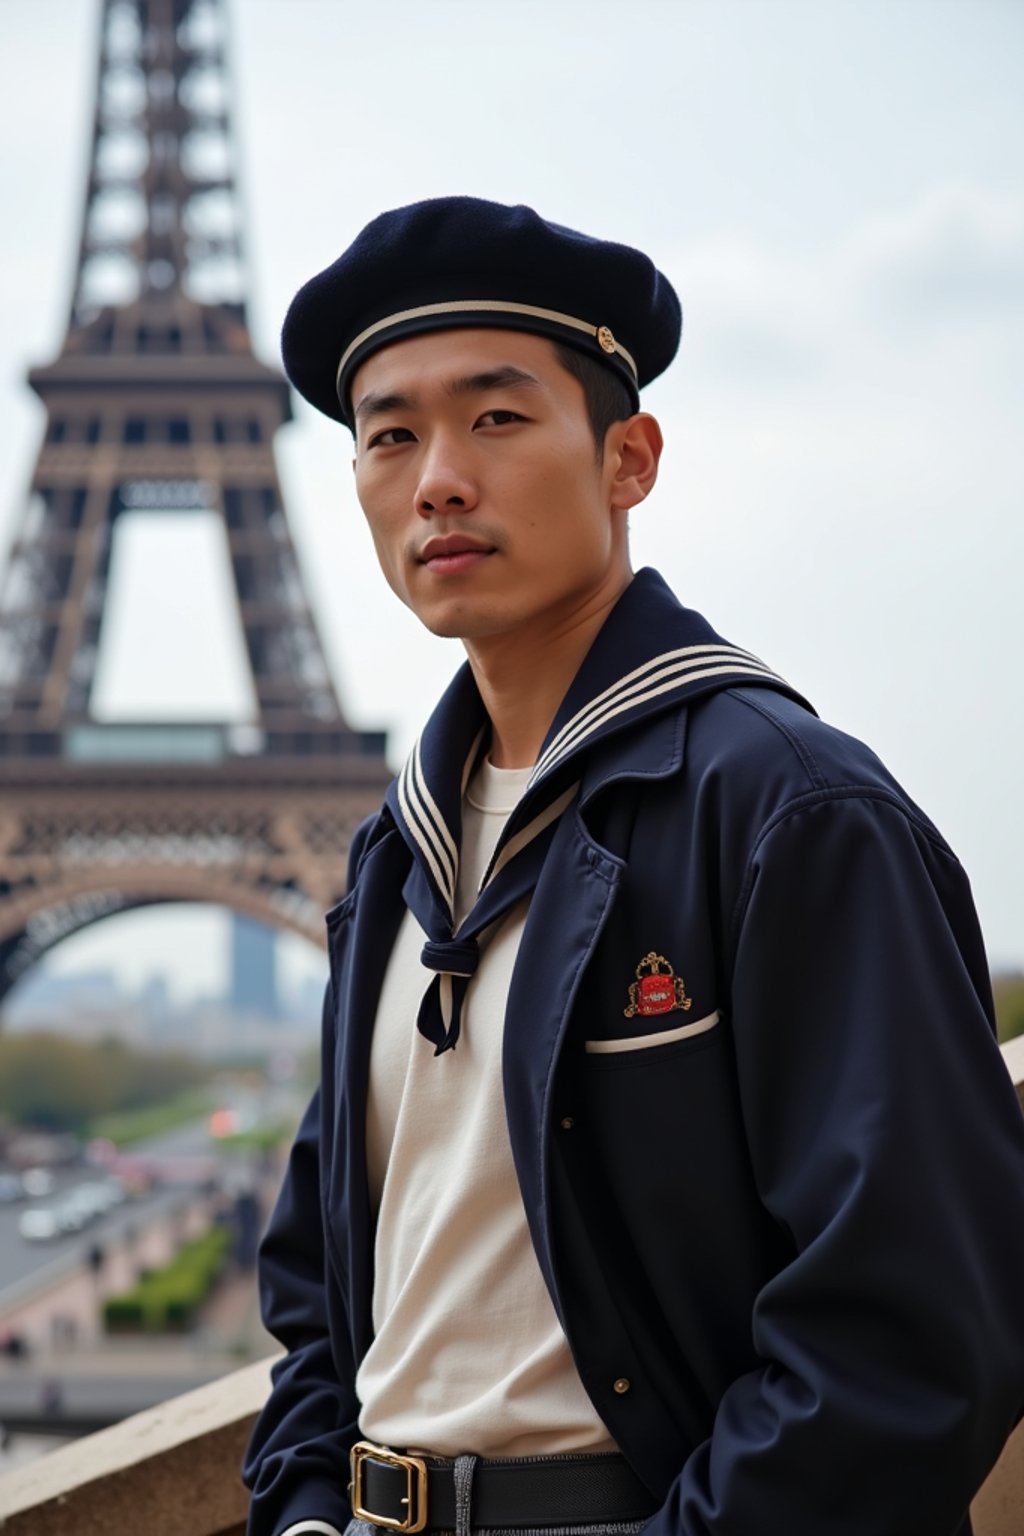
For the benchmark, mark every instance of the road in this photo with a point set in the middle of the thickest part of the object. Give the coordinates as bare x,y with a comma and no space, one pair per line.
22,1262
25,1263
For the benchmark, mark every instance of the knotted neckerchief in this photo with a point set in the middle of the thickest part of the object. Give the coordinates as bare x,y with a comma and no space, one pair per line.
649,656
426,802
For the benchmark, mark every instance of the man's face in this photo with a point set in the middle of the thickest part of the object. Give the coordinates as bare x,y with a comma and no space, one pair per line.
476,469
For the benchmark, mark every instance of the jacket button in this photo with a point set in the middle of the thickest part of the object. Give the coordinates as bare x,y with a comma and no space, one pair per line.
621,1384
567,1122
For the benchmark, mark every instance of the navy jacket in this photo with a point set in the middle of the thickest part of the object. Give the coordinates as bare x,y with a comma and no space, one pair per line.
786,1246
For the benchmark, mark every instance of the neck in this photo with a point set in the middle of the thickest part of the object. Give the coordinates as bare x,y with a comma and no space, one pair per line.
523,678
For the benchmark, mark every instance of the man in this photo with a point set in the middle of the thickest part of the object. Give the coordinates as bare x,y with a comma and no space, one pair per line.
664,1171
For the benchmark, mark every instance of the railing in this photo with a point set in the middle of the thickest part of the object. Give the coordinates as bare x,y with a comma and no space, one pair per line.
173,1471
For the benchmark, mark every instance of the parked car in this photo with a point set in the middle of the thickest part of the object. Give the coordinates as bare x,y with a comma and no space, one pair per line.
40,1223
92,1199
38,1183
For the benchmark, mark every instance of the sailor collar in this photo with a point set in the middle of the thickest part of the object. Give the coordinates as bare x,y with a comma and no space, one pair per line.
651,656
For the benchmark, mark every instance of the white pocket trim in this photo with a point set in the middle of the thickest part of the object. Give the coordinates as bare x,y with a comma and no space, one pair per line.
661,1037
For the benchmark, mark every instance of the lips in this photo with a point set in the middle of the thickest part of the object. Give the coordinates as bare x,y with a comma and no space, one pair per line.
447,547
451,555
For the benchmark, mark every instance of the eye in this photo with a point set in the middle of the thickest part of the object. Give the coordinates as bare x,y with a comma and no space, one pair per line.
499,418
390,437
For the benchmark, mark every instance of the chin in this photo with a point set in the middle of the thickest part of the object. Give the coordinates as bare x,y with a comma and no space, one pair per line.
458,622
450,629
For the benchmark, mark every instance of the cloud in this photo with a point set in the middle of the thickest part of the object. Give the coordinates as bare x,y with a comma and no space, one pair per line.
934,287
954,257
751,318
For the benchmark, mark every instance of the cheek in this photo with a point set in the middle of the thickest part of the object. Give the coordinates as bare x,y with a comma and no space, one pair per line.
387,549
384,530
388,558
576,512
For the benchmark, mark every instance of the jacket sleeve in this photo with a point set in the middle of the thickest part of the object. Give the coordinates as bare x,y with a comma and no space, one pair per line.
296,1463
886,1141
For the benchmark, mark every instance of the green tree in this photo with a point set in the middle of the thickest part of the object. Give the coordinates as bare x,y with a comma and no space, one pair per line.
1008,992
60,1084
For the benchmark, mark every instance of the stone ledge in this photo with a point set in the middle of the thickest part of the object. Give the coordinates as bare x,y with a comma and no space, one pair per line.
998,1509
173,1468
1013,1055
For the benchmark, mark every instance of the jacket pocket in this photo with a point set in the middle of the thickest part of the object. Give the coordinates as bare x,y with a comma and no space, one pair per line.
633,1044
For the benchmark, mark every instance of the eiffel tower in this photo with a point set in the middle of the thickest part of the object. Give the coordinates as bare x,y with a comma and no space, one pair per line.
158,404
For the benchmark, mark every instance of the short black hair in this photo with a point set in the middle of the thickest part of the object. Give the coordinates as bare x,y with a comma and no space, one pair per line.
607,398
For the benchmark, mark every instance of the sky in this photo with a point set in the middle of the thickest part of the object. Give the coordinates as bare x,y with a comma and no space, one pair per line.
835,189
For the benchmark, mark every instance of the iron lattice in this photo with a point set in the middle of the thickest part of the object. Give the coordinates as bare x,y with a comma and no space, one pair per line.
157,403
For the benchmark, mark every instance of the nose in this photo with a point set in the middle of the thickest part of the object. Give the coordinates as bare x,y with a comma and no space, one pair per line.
445,484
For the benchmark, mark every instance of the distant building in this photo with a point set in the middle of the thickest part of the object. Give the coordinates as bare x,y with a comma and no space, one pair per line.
45,997
157,1007
253,982
309,1003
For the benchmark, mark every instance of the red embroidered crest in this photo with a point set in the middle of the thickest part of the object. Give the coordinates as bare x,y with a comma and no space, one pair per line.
657,988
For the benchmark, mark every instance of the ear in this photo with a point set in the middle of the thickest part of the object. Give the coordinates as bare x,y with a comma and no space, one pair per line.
632,453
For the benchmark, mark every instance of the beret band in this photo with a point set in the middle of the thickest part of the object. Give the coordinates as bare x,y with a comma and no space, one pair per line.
466,309
455,262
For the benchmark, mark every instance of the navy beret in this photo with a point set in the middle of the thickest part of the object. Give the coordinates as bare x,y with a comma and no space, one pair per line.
462,261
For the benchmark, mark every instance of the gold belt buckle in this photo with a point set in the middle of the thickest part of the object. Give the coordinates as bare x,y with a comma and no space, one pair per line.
415,1499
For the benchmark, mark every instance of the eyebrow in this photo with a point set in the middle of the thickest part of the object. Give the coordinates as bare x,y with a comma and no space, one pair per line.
505,377
380,405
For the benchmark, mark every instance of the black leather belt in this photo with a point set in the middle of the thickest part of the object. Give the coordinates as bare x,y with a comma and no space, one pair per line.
412,1493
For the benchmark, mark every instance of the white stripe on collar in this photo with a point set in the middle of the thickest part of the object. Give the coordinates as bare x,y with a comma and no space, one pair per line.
422,789
425,822
681,667
670,672
438,851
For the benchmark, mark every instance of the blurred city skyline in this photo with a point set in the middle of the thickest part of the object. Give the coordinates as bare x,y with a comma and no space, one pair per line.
134,957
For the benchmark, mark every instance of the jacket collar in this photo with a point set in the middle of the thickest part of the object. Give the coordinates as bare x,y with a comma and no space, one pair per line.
650,656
